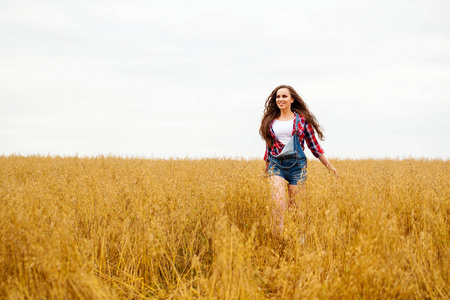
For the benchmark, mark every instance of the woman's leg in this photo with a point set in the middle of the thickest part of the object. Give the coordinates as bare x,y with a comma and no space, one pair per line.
297,194
279,197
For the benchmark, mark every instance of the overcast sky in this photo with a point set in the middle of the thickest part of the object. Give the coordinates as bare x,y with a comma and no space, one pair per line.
189,78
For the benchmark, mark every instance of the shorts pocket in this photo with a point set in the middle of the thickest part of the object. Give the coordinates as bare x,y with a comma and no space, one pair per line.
303,175
273,170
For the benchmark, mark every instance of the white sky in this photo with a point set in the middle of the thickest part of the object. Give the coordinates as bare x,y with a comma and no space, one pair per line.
189,78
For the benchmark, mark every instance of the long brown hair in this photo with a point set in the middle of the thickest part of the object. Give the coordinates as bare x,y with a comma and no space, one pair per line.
271,112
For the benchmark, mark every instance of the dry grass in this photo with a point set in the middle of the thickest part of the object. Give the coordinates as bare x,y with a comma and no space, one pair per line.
106,227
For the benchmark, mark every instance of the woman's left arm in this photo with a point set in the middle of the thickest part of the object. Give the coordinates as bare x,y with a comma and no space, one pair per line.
315,148
323,159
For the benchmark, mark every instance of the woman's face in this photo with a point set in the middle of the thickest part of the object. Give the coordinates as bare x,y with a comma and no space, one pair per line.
284,99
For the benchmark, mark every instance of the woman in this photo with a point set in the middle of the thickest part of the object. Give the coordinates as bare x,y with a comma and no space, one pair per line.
287,123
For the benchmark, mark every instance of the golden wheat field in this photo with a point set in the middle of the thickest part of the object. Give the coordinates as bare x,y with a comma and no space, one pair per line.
129,228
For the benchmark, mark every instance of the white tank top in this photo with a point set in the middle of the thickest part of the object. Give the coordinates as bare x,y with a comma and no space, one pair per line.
283,130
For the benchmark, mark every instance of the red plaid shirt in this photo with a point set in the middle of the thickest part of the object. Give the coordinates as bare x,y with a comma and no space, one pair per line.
305,132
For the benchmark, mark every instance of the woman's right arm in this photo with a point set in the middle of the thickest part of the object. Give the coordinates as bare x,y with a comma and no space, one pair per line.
266,159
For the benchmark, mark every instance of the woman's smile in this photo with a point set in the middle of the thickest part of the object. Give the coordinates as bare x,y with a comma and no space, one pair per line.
284,98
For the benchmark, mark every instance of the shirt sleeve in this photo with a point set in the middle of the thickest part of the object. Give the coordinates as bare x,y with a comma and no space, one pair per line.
311,141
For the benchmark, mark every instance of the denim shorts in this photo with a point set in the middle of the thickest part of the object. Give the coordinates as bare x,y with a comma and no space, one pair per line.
292,169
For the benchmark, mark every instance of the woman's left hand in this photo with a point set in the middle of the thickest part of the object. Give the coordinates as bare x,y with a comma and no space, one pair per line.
333,169
328,165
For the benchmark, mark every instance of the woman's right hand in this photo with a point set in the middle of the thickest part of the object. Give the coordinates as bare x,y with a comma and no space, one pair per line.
265,174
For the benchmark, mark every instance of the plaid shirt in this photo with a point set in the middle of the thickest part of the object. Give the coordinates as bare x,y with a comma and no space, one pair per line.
305,132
